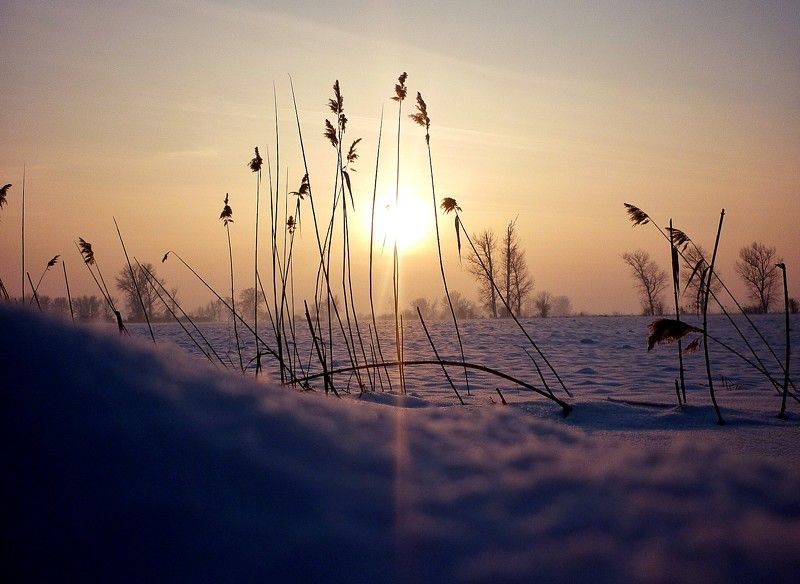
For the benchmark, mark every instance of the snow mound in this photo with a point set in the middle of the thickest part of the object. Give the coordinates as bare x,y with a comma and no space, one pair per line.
126,462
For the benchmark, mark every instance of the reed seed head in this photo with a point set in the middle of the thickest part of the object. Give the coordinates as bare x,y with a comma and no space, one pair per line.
330,133
52,262
421,117
304,188
336,104
256,162
227,212
3,193
449,204
400,89
86,251
666,330
692,347
636,215
678,237
291,224
352,155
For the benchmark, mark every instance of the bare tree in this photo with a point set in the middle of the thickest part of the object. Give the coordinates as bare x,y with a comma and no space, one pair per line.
756,266
486,244
696,257
543,303
463,306
429,310
650,280
500,271
518,283
562,306
87,307
128,285
248,299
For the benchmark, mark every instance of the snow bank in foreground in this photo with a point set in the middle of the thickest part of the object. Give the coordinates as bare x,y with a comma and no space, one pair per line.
125,463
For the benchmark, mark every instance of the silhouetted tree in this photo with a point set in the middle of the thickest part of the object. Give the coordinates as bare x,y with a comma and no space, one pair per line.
697,257
505,265
87,307
518,283
756,266
543,304
562,306
650,280
248,298
429,310
463,306
126,285
486,244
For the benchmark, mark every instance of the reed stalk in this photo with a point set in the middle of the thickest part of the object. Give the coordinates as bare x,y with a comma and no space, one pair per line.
400,94
306,188
174,301
720,421
22,236
69,296
438,358
449,205
782,413
639,217
227,218
234,314
135,283
255,166
150,277
372,253
87,253
47,267
34,296
422,118
676,282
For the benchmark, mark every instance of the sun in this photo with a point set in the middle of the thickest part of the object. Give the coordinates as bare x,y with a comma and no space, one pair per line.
409,222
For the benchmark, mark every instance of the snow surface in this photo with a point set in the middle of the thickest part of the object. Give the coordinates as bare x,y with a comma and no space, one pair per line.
125,462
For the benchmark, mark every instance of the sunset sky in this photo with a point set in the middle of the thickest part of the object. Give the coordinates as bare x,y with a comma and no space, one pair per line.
554,113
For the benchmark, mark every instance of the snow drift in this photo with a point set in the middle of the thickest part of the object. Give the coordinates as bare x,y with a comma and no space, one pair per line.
125,462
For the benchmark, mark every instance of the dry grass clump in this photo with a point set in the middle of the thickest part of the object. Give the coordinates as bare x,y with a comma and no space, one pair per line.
666,330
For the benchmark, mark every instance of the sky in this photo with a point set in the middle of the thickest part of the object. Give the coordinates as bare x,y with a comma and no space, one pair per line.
552,114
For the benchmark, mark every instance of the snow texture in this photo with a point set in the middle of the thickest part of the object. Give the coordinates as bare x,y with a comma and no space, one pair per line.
122,462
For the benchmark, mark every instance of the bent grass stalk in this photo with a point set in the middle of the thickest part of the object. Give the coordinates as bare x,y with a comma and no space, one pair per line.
566,407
